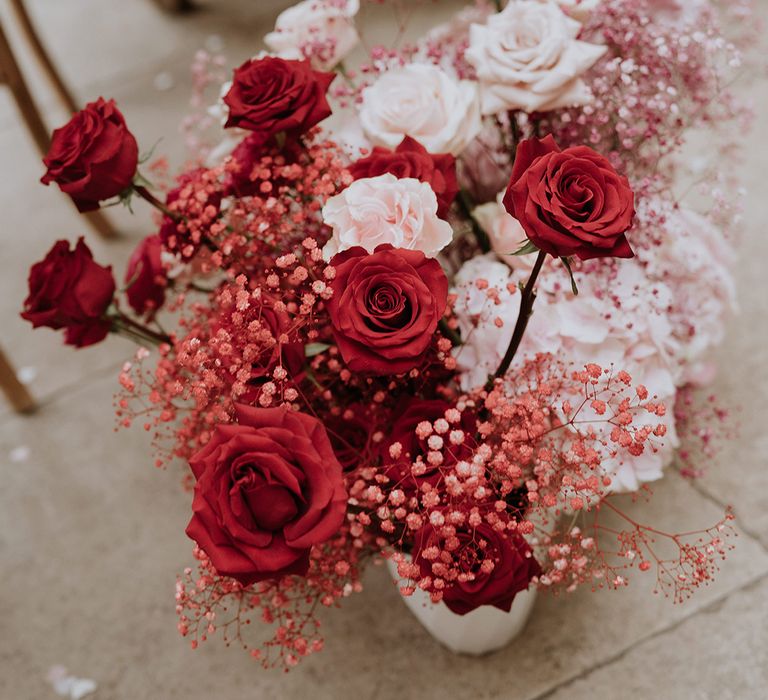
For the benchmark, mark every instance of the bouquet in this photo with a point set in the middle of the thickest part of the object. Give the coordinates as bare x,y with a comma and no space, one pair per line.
437,308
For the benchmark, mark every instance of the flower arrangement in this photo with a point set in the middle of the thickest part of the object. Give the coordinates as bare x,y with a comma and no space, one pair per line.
437,309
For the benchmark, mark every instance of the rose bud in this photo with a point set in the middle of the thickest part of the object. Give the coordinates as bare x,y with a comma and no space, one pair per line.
570,202
68,290
385,307
145,277
272,95
411,159
268,489
513,567
93,157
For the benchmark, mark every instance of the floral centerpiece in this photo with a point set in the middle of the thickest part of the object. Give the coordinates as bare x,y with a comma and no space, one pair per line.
436,309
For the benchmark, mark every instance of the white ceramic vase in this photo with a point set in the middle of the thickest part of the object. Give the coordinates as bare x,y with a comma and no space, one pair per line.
481,631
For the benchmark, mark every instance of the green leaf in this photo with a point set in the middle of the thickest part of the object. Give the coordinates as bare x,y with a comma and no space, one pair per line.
525,248
312,349
567,264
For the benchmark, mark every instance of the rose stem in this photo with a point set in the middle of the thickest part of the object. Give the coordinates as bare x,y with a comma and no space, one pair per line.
146,195
128,324
526,306
465,205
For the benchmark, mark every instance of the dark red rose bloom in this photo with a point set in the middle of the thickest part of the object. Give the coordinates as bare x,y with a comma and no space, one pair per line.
248,154
270,95
407,417
93,157
350,434
268,489
145,276
514,567
67,289
175,235
385,307
411,159
570,202
280,346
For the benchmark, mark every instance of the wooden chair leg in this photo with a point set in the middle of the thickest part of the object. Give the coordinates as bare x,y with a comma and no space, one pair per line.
174,5
65,95
10,73
17,393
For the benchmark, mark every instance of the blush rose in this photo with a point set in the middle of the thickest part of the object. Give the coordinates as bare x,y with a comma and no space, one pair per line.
527,57
268,489
422,101
321,30
385,307
385,209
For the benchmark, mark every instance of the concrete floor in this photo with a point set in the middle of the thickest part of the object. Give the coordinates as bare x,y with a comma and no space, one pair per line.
91,536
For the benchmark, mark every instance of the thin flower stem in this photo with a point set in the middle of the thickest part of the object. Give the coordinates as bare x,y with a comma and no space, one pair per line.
466,205
526,306
124,323
147,196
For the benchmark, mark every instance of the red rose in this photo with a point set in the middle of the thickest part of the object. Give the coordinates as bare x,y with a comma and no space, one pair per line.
350,434
513,566
93,157
248,154
268,489
385,307
411,159
274,330
270,95
408,415
69,290
570,202
145,276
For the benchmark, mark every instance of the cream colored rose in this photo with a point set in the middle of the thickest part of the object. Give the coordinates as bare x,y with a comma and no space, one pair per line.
385,209
504,231
422,101
321,30
527,57
578,9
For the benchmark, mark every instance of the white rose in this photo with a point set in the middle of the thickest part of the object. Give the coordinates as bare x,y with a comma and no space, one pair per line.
578,9
385,209
321,30
527,57
422,101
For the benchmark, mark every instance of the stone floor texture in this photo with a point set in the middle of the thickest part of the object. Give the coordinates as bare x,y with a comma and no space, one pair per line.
91,535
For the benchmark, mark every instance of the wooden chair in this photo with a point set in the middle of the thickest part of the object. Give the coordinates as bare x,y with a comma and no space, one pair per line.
15,391
11,75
